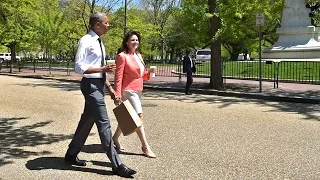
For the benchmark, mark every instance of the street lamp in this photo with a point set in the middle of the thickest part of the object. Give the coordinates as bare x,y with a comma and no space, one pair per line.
125,18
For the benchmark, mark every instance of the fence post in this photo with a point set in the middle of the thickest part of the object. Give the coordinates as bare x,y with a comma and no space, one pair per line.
19,65
34,65
222,71
68,73
179,69
278,74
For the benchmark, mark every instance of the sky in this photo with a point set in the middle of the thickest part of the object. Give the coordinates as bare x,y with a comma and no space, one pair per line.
120,4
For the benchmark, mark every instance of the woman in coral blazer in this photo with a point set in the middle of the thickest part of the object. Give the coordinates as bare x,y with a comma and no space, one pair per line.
129,75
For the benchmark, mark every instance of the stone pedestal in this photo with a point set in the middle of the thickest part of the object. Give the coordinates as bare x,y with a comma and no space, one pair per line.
298,39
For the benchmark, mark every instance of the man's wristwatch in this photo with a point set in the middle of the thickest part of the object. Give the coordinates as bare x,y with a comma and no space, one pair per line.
109,85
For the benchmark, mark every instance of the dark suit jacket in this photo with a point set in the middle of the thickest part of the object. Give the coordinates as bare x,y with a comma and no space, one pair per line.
187,65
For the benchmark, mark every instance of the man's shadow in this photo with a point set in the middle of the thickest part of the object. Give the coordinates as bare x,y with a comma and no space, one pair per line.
59,164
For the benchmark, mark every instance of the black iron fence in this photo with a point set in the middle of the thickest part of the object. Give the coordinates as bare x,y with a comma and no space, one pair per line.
273,70
283,71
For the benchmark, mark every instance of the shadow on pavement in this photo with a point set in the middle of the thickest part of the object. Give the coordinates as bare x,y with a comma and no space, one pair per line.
310,111
14,138
58,163
97,148
65,86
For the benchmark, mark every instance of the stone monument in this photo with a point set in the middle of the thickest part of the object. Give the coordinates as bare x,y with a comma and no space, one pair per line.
298,38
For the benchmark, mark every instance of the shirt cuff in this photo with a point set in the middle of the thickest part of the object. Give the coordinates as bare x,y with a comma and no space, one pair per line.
81,69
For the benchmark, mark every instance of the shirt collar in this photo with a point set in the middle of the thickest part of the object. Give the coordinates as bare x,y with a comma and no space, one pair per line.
93,34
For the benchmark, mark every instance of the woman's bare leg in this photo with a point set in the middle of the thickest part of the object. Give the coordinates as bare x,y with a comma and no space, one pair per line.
115,138
145,146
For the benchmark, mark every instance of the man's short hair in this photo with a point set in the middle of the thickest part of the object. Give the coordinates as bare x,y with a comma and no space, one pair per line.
96,17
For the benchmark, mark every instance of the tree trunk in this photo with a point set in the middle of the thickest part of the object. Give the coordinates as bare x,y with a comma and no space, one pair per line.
216,66
12,47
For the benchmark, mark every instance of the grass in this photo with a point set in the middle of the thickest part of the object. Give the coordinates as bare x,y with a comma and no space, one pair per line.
250,69
43,64
160,64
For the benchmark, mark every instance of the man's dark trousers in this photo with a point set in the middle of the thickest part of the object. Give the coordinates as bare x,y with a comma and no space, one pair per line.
189,81
188,70
93,90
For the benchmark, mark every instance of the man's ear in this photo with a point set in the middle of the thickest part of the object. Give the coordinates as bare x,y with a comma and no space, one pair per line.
97,25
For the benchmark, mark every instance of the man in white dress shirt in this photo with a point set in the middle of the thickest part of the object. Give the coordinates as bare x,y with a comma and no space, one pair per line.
90,62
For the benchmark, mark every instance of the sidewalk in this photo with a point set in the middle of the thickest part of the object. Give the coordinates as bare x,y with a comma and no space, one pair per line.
287,92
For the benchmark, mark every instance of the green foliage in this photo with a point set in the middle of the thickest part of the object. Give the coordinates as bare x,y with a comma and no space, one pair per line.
16,18
238,33
54,27
316,17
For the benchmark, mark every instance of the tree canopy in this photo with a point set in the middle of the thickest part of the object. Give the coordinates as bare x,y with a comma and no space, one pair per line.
53,27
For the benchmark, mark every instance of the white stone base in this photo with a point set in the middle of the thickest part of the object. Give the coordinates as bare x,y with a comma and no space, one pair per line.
298,39
295,43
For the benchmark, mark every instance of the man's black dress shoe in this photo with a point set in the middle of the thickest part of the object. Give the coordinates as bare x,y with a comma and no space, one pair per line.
74,160
123,171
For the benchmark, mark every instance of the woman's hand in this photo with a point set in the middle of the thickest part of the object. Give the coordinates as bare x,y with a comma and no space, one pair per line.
111,92
117,101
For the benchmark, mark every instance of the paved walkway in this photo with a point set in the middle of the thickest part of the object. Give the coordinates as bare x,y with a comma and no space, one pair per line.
195,137
290,92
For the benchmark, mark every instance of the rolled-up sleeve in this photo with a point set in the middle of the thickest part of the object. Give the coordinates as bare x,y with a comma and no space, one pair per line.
79,64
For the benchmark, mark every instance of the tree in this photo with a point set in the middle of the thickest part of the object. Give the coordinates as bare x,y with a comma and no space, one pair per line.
216,66
238,32
15,26
136,22
159,12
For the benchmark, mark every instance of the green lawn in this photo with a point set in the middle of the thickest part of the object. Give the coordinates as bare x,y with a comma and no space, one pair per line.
46,64
160,64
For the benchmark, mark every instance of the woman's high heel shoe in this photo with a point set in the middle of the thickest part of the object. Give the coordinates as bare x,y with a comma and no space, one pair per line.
148,153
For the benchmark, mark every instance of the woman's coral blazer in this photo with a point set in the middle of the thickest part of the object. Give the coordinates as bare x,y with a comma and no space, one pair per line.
127,74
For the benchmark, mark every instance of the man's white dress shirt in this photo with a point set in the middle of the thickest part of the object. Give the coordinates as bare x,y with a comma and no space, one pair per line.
89,55
190,61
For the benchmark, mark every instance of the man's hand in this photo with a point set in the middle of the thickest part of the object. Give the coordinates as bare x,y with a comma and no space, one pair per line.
108,68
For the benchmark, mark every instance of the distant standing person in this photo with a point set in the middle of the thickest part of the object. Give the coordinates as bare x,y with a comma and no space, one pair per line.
130,73
90,62
189,67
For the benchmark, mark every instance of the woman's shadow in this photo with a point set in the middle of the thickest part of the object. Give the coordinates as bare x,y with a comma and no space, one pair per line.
97,148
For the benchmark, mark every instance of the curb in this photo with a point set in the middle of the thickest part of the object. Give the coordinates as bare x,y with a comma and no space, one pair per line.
280,98
261,96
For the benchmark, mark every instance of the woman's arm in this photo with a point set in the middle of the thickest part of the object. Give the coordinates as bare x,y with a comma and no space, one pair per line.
118,76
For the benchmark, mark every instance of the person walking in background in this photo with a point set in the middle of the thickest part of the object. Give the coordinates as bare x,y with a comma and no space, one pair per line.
189,67
129,75
90,62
